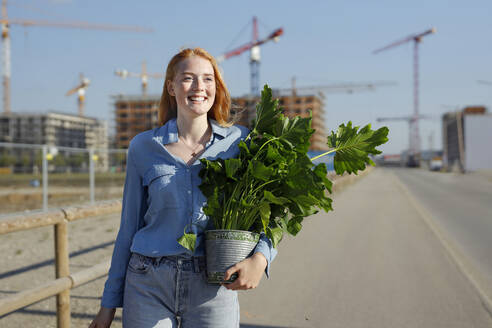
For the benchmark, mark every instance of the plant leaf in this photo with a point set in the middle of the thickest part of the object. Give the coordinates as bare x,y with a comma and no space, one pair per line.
275,235
265,214
188,241
231,167
320,171
353,147
275,200
294,225
267,113
260,171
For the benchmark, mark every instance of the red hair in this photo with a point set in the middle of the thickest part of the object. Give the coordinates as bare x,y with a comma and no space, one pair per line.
220,109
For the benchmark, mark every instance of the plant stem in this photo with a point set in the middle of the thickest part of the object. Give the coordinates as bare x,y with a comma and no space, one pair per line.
259,150
268,182
324,154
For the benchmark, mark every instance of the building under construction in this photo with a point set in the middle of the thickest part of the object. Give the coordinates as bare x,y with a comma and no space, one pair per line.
292,105
134,114
54,130
466,136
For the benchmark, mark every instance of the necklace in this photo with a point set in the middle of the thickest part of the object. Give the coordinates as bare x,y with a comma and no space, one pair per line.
200,143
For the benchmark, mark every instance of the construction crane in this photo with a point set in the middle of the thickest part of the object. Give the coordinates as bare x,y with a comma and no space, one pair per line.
254,59
6,22
80,89
414,144
412,161
143,75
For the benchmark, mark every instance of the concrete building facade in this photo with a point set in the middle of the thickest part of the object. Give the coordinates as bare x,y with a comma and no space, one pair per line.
466,139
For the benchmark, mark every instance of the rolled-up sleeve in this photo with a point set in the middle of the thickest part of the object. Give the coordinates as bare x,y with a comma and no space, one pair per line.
265,247
133,210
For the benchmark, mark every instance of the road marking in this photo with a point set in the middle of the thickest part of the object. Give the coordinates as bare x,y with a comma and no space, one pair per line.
470,273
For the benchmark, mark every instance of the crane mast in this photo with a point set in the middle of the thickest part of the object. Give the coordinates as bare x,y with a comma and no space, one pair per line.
6,59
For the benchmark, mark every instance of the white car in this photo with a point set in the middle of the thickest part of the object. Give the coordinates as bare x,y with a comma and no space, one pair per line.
435,164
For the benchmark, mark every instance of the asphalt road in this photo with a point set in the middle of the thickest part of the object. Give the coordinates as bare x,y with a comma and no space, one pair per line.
379,259
461,208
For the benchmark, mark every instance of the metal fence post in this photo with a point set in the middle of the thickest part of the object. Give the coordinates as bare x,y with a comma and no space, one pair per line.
91,174
45,177
62,270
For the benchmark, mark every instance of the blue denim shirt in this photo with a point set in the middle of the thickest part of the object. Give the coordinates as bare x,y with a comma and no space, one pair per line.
161,197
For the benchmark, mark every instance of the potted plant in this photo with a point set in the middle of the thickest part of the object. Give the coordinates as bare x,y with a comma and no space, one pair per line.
273,184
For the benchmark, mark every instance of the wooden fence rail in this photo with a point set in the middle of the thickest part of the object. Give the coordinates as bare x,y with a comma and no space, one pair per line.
64,281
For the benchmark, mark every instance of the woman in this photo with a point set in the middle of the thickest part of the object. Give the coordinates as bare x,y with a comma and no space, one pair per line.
156,281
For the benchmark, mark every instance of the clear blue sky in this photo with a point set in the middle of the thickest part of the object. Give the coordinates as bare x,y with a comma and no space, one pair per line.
324,42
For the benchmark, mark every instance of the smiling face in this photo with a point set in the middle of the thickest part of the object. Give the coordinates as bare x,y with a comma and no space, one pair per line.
193,86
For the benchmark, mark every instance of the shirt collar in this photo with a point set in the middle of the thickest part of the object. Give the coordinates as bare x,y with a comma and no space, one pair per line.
169,131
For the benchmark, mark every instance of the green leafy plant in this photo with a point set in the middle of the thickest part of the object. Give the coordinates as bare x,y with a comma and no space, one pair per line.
273,184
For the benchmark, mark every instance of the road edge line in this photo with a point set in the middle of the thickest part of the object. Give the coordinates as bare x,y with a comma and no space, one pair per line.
459,259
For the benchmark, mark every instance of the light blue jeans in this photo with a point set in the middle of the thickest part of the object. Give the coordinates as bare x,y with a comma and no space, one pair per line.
173,292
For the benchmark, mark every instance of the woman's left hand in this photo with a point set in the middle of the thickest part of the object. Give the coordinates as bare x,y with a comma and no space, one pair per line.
249,272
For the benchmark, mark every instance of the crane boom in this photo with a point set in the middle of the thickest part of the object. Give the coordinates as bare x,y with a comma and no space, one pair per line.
79,24
340,87
236,52
143,75
413,37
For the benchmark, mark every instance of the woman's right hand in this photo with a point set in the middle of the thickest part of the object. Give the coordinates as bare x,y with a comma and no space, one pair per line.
103,318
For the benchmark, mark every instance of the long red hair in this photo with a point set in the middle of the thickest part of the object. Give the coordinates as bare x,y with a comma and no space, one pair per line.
220,110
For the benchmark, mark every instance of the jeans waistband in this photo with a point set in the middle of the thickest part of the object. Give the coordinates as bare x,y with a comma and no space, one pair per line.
185,263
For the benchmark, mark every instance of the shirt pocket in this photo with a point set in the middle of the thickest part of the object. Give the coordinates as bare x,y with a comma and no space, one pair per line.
163,187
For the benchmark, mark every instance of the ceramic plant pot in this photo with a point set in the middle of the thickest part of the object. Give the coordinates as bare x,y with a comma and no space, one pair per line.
224,248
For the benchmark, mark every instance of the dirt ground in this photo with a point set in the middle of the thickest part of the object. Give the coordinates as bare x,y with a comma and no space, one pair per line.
27,261
15,200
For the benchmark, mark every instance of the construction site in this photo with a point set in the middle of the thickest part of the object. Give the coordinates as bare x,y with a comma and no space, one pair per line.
414,230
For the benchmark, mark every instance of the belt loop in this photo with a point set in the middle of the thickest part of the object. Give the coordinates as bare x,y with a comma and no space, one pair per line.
196,265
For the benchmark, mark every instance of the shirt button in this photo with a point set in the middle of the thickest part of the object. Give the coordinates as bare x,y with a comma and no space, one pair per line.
188,170
189,191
